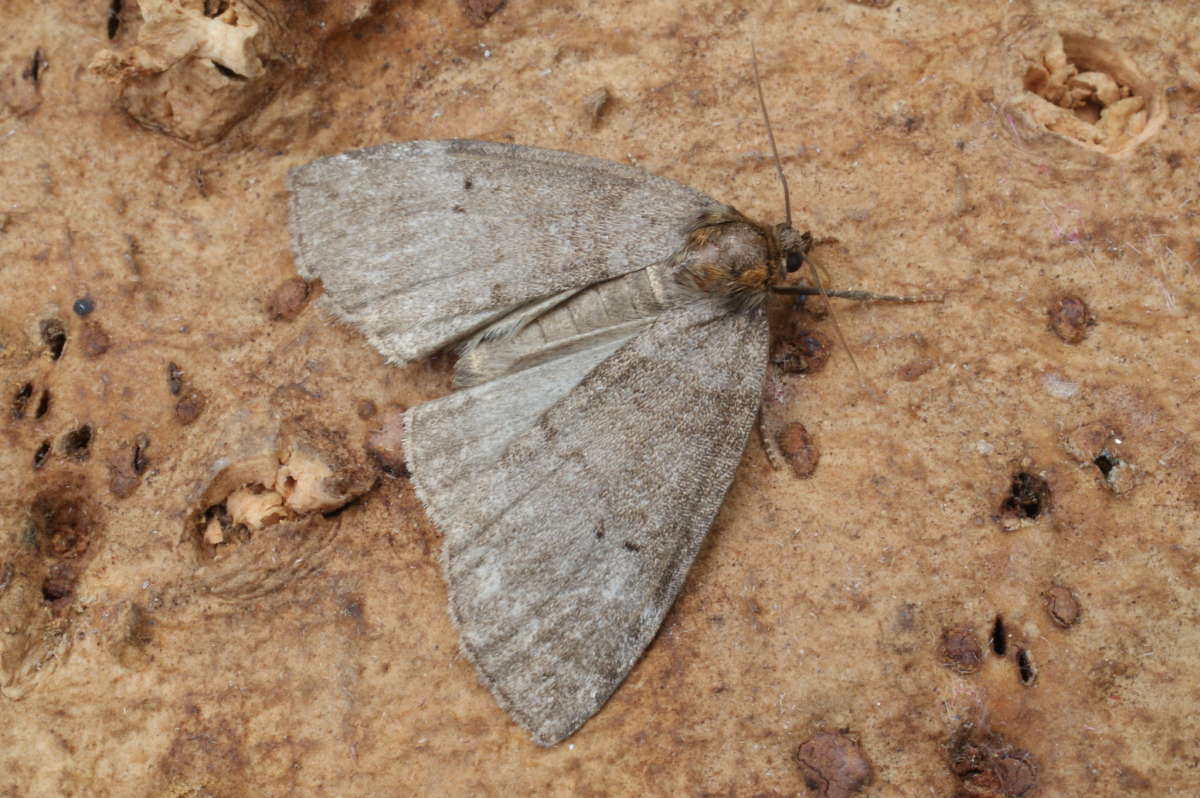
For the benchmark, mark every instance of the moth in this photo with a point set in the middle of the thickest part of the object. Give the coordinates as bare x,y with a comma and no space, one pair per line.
612,338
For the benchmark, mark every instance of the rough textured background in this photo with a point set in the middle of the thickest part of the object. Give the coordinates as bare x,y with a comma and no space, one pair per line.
315,656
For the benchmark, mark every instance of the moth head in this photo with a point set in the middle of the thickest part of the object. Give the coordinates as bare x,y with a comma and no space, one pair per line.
794,247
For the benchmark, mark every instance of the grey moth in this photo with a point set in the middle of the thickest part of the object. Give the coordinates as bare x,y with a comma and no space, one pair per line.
612,336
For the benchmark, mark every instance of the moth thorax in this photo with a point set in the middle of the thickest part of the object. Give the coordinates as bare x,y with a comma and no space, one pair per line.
729,258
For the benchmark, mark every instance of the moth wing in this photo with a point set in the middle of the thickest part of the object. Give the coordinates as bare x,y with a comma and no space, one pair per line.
572,510
421,243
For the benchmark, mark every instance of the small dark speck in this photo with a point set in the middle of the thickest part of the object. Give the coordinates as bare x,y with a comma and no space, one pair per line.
114,19
174,378
39,457
459,209
43,405
631,546
1025,667
21,399
54,336
468,183
227,72
999,637
83,306
37,66
77,444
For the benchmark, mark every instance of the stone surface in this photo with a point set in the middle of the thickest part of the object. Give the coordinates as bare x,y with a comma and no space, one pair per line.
315,655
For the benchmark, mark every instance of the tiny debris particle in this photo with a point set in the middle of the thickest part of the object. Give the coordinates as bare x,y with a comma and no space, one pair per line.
1059,386
288,299
83,306
833,765
174,378
595,104
799,450
365,409
139,461
961,649
189,406
139,631
1062,606
40,455
1028,497
59,583
20,400
94,341
478,12
988,767
214,535
1070,318
122,482
802,351
915,369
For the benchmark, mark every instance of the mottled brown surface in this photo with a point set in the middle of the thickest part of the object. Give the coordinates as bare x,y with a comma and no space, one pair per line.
317,658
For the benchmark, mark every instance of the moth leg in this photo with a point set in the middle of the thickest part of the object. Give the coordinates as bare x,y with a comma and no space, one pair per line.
769,444
774,392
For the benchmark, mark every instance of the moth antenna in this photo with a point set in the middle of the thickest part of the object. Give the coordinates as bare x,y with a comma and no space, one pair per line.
837,328
787,215
762,104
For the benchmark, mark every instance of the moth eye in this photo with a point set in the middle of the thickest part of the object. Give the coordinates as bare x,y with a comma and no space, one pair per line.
794,261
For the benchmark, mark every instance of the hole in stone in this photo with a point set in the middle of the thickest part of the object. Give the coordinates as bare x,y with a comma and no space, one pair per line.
215,8
21,399
1028,497
1106,462
54,336
999,637
114,19
1089,91
40,455
1025,667
77,444
43,404
227,72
